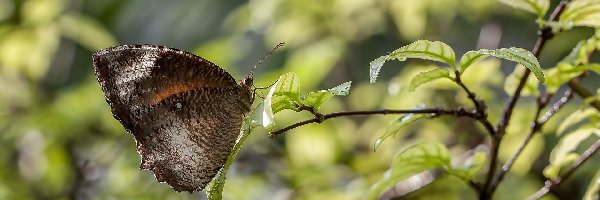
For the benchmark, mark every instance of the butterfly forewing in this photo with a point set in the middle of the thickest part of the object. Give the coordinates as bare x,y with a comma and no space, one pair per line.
184,112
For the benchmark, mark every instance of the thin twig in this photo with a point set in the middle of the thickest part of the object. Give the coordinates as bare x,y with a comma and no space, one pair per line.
535,128
550,184
322,117
544,34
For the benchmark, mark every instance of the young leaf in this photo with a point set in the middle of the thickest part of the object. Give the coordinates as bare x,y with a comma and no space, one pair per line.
593,190
471,166
570,142
268,118
375,67
576,117
428,76
411,161
214,190
553,169
342,89
518,55
423,49
538,7
581,13
562,73
469,58
316,99
284,94
395,126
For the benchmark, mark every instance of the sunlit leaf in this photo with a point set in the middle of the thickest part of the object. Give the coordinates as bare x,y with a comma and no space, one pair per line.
469,58
571,141
471,166
395,126
411,161
342,89
284,94
593,190
553,169
423,49
538,7
316,99
214,190
576,117
581,13
561,74
518,55
428,76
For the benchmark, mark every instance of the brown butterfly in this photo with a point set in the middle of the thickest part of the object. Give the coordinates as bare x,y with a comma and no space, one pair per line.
184,112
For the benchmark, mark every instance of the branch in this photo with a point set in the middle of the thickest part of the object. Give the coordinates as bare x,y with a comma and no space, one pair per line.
536,126
318,118
480,106
550,184
544,34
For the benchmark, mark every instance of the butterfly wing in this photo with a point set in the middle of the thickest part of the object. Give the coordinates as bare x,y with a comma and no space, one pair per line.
184,112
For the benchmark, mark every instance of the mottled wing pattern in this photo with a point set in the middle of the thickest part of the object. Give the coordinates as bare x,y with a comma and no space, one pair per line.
184,112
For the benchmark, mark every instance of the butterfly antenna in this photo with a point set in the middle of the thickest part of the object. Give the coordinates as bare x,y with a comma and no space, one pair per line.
281,44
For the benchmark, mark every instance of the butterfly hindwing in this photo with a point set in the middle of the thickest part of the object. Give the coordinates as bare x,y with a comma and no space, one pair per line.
184,112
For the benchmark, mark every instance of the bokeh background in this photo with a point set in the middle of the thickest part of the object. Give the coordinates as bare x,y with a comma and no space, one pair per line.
58,139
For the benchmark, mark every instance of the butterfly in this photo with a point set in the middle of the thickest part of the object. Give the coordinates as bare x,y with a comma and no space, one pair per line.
184,112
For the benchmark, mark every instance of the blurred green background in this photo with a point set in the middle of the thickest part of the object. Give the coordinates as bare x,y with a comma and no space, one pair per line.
58,139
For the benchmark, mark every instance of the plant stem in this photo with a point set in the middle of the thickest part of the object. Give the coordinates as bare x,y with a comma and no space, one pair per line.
322,117
550,184
544,34
535,127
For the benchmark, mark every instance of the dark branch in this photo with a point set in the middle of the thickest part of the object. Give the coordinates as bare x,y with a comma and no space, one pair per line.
544,34
536,126
322,117
550,184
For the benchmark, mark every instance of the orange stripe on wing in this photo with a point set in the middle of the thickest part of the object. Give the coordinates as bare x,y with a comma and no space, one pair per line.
175,89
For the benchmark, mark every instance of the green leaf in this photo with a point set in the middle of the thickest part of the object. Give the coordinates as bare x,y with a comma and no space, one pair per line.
428,76
581,13
593,190
316,99
553,169
411,161
570,142
284,94
375,67
471,166
518,55
395,126
562,73
576,117
342,89
539,7
423,49
469,58
214,190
